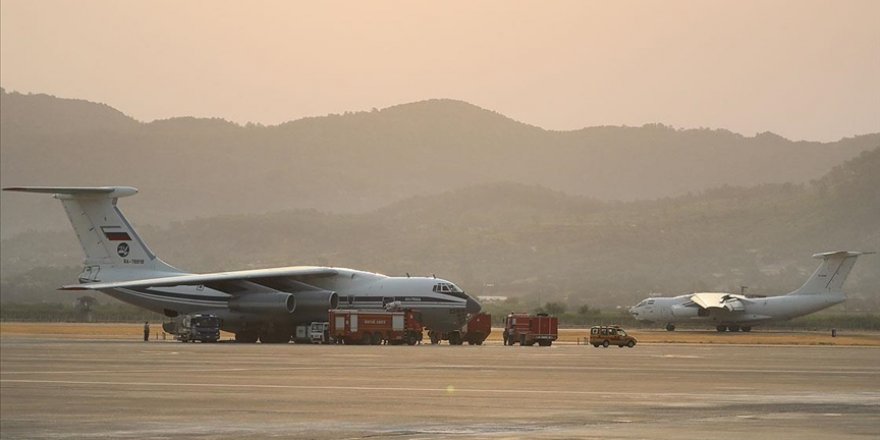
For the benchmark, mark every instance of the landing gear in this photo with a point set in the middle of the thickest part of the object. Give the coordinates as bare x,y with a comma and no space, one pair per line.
275,338
246,337
721,328
670,327
746,328
733,328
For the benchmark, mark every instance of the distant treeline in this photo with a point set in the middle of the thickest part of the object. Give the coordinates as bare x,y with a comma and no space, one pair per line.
584,316
57,312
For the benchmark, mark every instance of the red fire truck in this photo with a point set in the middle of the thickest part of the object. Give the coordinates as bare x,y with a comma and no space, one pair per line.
527,329
373,327
475,331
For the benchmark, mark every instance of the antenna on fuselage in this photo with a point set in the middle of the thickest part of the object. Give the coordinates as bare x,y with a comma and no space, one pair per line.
434,276
407,274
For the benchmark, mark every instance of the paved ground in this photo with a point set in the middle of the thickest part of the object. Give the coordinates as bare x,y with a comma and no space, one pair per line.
66,388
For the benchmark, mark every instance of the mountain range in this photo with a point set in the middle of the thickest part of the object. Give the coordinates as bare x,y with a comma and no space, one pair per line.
362,161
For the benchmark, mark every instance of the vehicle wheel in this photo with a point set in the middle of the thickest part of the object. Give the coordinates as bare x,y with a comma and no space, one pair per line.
605,344
455,338
479,342
522,340
746,328
377,338
435,339
670,327
620,346
733,328
596,345
721,328
631,344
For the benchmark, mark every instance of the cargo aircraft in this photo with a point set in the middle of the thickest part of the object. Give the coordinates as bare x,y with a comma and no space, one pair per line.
262,304
733,312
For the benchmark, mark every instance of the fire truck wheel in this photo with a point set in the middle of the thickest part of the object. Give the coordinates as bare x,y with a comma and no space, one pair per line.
377,338
479,342
605,343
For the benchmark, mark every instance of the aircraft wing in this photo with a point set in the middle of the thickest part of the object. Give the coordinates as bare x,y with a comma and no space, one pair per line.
287,279
715,300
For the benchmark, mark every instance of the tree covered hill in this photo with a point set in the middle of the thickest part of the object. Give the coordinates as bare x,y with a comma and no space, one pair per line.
525,240
357,162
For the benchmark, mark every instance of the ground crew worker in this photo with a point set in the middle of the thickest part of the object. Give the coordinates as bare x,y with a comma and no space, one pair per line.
146,331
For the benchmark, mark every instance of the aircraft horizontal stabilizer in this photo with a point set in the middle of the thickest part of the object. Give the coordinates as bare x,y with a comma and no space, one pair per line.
78,191
827,255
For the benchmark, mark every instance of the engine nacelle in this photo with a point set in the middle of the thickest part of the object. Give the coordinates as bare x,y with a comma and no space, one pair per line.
685,312
312,305
278,303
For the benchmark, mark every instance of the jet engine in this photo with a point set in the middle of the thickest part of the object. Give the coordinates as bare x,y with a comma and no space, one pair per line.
312,305
277,303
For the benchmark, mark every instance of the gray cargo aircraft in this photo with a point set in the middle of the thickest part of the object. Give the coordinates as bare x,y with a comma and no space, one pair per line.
263,304
734,312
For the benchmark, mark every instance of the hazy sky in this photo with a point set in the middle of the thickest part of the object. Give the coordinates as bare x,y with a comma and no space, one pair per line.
803,69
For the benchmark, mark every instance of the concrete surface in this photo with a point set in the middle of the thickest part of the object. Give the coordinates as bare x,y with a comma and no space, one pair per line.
62,388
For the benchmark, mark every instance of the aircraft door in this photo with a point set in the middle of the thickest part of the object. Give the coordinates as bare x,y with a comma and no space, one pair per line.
354,322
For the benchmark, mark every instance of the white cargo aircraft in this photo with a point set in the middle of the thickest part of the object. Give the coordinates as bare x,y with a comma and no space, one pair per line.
734,312
264,304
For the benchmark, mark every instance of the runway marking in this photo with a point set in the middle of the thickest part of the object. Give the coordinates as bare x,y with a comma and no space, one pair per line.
872,398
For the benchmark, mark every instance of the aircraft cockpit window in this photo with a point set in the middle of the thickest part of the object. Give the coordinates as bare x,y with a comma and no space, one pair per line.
450,289
650,301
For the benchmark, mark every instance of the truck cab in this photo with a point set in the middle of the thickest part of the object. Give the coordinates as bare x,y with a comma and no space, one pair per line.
606,335
194,327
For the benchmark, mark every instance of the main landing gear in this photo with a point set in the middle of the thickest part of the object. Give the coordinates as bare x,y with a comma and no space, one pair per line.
670,327
733,328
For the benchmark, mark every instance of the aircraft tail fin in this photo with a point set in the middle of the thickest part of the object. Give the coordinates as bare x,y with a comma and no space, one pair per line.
831,273
111,245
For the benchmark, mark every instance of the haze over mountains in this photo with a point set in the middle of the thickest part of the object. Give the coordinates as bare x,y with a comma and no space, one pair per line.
531,242
443,187
357,162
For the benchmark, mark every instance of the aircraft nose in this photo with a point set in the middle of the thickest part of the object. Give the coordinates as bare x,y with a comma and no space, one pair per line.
633,311
472,306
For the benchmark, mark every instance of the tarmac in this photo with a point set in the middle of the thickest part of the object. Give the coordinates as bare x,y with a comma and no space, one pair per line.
103,388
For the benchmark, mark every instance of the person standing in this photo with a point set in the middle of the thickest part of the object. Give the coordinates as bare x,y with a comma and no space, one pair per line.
146,331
